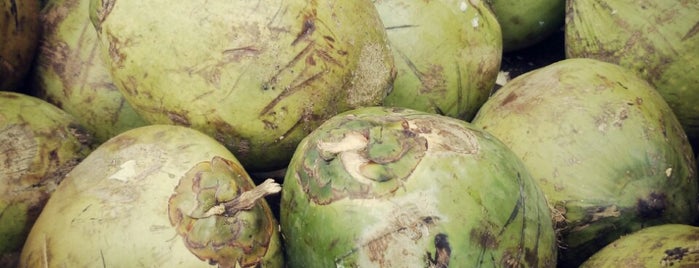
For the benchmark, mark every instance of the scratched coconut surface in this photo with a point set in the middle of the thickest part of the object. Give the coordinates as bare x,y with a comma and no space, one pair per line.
513,64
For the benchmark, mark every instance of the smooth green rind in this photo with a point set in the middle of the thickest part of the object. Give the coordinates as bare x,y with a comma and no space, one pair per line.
668,245
447,54
527,22
112,209
604,147
70,74
19,32
658,40
256,75
382,187
39,144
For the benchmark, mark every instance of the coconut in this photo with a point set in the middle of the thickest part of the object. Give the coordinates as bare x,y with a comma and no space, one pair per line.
667,245
656,39
447,54
70,74
391,187
39,144
603,145
156,196
19,31
527,22
256,75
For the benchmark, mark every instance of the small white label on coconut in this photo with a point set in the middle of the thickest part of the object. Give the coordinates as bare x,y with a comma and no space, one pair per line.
668,172
474,22
541,23
126,171
463,6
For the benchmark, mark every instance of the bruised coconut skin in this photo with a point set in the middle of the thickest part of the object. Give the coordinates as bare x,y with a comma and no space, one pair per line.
255,75
604,147
447,54
39,144
659,40
70,74
116,208
381,187
19,32
668,245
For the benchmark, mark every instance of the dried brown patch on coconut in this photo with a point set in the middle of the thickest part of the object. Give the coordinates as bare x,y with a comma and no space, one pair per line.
18,149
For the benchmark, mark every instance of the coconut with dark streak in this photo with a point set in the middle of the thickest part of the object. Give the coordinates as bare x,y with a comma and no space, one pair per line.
447,54
39,144
602,144
256,75
70,74
390,187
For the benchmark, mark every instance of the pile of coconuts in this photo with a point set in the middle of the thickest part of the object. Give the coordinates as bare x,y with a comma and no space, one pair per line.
382,133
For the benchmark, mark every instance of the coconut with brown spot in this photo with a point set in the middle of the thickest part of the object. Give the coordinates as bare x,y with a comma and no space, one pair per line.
602,144
70,73
391,187
447,54
39,144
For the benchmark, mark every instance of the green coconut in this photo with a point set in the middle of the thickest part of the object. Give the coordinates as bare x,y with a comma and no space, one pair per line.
256,75
447,54
39,144
602,144
392,187
156,196
656,39
70,74
19,32
667,245
527,22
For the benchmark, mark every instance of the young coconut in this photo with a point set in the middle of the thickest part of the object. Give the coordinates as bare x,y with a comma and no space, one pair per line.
667,245
659,40
70,74
602,144
39,144
156,196
19,32
390,187
447,54
257,76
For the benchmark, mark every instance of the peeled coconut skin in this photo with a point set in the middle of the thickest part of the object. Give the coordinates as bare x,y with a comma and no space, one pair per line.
527,22
604,147
255,75
667,245
19,32
392,187
39,144
123,206
70,73
659,40
447,54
